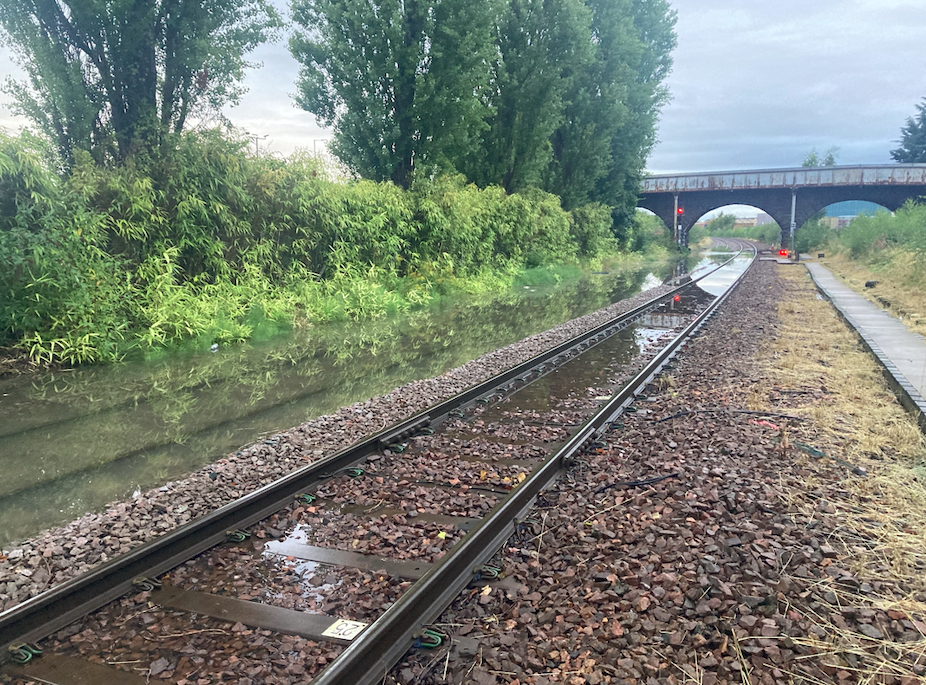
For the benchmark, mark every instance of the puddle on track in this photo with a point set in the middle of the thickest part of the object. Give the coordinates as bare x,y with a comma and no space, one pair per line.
586,377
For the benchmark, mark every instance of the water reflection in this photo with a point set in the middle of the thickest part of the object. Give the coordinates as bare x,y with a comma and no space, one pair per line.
717,283
72,441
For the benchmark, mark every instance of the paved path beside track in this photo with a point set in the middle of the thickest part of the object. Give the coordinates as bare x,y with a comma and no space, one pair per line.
901,352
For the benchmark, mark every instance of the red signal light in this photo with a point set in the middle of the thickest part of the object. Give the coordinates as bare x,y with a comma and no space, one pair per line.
782,253
678,298
680,211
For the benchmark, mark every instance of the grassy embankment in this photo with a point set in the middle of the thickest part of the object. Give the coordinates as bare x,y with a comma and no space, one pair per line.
852,416
207,244
889,249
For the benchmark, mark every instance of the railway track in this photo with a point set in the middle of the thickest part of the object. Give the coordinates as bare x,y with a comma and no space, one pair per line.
439,502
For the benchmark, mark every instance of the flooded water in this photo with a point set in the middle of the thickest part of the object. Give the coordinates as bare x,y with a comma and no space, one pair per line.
72,441
589,373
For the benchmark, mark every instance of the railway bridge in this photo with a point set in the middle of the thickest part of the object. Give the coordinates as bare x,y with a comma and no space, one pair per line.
790,196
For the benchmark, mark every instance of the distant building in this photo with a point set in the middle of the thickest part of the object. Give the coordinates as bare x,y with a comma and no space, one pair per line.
763,219
745,221
840,214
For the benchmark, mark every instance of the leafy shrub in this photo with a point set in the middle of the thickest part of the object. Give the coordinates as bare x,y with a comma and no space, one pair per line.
906,228
591,230
812,235
204,243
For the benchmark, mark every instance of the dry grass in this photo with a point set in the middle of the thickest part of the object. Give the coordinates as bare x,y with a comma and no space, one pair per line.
900,285
880,519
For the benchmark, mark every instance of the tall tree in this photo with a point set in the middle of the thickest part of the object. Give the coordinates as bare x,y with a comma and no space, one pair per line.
721,223
544,49
912,141
402,81
814,159
115,76
654,25
596,105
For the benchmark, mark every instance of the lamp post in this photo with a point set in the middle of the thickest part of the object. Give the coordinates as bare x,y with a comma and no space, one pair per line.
257,140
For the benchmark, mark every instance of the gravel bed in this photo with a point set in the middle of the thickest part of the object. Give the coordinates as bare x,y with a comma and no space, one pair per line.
291,583
410,497
65,552
708,576
135,635
478,448
428,468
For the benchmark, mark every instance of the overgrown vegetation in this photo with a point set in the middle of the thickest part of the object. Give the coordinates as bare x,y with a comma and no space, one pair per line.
557,94
206,243
116,77
889,249
769,234
122,233
880,520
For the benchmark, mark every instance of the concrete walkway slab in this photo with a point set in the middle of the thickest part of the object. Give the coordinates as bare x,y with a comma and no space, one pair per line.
900,351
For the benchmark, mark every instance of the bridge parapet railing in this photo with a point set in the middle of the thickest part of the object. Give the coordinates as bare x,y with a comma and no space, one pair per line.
857,175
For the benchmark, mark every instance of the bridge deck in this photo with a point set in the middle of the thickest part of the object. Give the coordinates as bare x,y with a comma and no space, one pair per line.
795,177
901,352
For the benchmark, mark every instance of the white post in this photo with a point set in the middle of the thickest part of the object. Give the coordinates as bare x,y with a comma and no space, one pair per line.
793,220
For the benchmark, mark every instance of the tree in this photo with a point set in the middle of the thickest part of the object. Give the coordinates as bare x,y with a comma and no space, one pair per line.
912,141
596,105
116,76
812,159
721,224
543,48
579,89
654,24
402,82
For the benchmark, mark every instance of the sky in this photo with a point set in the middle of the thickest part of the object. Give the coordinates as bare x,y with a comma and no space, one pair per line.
756,84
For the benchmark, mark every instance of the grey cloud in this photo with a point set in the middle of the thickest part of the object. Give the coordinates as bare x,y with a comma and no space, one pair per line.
759,84
755,84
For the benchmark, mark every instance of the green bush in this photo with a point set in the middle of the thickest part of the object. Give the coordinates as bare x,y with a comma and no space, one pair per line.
204,243
64,298
591,230
812,235
906,229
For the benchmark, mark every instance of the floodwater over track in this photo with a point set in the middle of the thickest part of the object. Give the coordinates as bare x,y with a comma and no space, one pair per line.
72,441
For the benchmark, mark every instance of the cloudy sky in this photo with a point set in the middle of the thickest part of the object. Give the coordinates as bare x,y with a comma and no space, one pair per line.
756,84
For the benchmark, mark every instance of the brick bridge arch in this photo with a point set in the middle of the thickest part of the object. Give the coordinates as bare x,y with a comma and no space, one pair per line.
784,194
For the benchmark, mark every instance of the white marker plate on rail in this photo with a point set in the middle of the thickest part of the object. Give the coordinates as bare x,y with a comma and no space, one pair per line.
344,630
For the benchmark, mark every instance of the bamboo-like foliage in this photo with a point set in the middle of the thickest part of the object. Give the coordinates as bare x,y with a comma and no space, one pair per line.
206,243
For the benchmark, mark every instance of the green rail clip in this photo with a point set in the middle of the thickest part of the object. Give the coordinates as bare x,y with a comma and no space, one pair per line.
145,584
485,573
236,535
429,639
24,652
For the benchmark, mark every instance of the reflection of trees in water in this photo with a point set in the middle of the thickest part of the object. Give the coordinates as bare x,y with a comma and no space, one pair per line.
319,368
101,432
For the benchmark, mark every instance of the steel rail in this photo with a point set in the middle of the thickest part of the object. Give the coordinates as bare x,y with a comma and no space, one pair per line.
371,655
55,608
